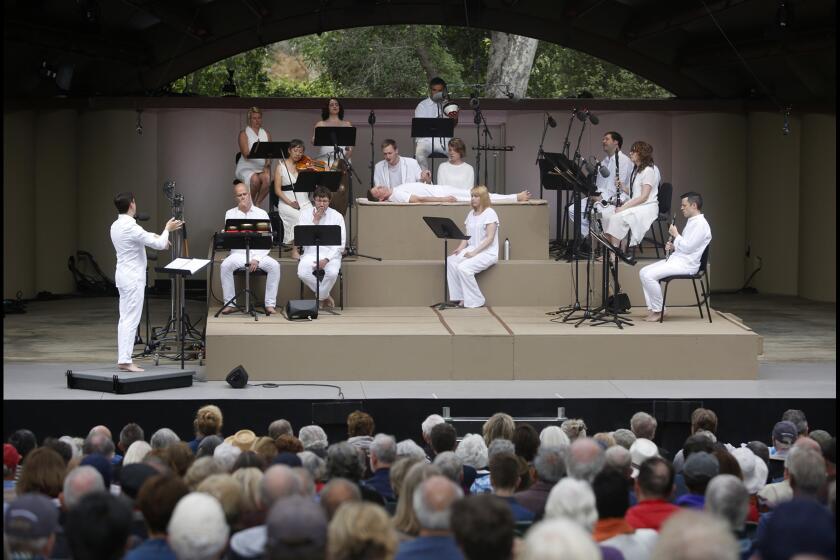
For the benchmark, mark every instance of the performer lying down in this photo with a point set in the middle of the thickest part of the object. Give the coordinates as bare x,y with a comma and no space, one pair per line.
421,192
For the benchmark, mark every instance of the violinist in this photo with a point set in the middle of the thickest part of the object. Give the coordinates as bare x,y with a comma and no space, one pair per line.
290,203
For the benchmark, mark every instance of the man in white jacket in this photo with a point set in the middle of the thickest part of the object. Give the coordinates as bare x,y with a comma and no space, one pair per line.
397,170
130,242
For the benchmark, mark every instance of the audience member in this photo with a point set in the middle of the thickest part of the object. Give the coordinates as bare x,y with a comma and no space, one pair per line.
498,426
197,528
550,464
699,469
23,441
797,417
251,513
572,499
136,452
526,441
618,458
179,457
451,466
820,436
129,434
728,499
244,440
287,458
265,448
43,472
604,439
250,459
654,486
201,469
695,535
430,422
279,428
345,460
208,422
807,465
226,491
226,454
98,443
398,471
361,531
98,527
314,439
624,438
296,530
473,452
316,466
641,450
483,528
783,436
586,459
504,477
554,437
754,472
29,526
574,428
442,438
611,529
643,425
360,429
383,453
288,444
336,492
157,500
62,448
405,518
208,446
727,463
829,453
558,539
702,420
132,478
482,482
799,529
164,437
432,503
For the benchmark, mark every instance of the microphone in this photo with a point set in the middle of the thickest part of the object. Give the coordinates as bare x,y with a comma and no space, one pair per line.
141,217
592,118
551,122
581,115
474,100
603,171
372,118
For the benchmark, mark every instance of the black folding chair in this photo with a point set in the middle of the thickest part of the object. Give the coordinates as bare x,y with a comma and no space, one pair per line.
699,275
663,197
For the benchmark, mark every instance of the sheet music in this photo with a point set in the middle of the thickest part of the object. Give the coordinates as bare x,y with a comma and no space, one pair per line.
192,265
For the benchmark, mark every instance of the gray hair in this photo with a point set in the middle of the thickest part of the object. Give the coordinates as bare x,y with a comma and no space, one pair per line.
807,470
435,516
618,458
728,498
197,529
202,468
409,448
586,459
136,452
798,418
75,448
312,436
314,464
307,482
500,445
98,443
279,428
80,482
550,463
226,454
558,539
344,461
690,534
451,466
164,437
554,436
384,448
473,451
624,437
574,500
643,425
574,428
278,482
208,446
430,422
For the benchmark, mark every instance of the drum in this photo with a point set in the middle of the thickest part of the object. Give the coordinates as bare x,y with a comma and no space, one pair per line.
450,110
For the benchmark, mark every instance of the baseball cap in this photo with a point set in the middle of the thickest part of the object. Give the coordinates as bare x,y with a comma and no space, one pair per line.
641,450
701,466
31,516
296,521
11,457
784,432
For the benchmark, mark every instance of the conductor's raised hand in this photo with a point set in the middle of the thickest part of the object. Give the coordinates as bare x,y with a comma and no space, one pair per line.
173,224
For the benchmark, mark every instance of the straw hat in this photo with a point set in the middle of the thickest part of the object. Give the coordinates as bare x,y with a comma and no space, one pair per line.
243,439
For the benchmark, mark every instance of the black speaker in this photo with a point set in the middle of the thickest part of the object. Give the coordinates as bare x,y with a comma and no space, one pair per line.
297,309
237,378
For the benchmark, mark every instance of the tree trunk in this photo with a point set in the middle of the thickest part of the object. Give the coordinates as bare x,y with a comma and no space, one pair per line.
509,65
426,61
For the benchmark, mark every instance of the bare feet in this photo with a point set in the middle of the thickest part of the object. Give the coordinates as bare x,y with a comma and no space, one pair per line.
524,196
329,302
228,310
270,310
295,253
129,367
653,317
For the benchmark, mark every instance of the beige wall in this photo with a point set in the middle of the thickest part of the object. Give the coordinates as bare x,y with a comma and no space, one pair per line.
817,204
18,208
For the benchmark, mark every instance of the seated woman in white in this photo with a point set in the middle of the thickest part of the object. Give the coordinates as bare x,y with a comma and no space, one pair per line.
290,203
478,253
456,172
642,209
255,173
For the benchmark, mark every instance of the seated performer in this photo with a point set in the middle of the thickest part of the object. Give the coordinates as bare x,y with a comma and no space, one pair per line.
478,253
456,172
397,170
608,187
255,173
642,209
290,203
421,192
431,107
332,115
330,255
685,259
259,257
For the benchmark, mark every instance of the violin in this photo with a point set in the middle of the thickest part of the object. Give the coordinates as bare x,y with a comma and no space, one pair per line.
309,164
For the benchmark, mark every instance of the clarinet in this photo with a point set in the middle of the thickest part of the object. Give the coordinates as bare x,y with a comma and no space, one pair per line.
617,182
670,238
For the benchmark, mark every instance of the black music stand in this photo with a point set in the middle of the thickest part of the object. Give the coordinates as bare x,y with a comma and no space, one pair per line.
308,181
317,236
269,150
606,313
433,128
178,274
246,240
445,229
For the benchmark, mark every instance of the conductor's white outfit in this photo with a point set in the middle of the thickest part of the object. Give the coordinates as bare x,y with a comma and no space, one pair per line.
407,170
688,248
306,266
236,260
606,187
289,215
247,167
429,109
403,193
130,241
461,176
637,219
460,272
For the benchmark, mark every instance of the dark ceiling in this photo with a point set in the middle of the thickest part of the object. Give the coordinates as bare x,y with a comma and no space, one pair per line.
135,47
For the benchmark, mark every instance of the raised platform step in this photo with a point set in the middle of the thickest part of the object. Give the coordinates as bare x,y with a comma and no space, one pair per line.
419,343
369,283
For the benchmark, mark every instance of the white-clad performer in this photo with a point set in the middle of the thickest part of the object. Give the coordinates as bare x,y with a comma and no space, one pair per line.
478,253
397,170
687,250
642,209
259,257
255,173
456,172
290,203
421,192
430,108
330,255
606,186
130,242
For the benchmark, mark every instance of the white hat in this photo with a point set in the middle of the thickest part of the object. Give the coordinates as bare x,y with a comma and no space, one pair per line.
641,450
753,468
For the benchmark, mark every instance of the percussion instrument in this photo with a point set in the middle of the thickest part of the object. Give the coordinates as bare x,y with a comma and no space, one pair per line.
450,110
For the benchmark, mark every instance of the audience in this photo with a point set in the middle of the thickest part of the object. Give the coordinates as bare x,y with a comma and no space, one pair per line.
432,504
550,464
692,535
383,453
314,439
483,528
361,531
98,527
280,427
197,528
29,526
157,500
426,427
296,530
612,529
498,426
586,459
336,492
504,476
654,486
558,539
728,499
699,469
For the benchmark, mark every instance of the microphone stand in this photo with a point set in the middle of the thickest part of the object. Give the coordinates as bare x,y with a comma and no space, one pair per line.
479,151
540,150
351,249
568,131
486,132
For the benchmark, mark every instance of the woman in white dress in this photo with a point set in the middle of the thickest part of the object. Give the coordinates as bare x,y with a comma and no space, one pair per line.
256,173
637,214
332,114
478,253
290,203
456,172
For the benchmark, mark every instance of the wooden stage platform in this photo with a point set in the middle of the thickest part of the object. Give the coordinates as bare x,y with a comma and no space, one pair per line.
498,343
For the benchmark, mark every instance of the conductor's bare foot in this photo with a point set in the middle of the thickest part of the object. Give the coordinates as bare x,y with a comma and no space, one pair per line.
329,303
129,367
524,196
653,317
270,310
228,310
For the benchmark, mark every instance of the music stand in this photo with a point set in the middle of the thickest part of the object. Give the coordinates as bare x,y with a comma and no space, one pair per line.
433,128
607,313
317,236
245,240
269,150
179,269
445,229
308,181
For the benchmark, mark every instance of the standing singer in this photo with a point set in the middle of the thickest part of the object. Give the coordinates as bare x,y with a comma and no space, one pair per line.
687,250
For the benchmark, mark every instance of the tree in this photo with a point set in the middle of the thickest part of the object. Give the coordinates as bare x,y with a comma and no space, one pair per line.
509,65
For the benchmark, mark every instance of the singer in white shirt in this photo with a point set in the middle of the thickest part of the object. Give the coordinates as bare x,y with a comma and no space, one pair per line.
259,257
456,172
687,250
479,252
330,255
397,170
431,108
130,242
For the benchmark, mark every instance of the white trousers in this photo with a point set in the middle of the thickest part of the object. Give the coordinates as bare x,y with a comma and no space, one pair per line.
460,276
291,216
235,261
307,265
424,148
584,221
652,273
131,309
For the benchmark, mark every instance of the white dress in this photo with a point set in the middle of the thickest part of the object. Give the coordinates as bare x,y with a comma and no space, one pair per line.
637,219
460,271
289,215
247,167
461,176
